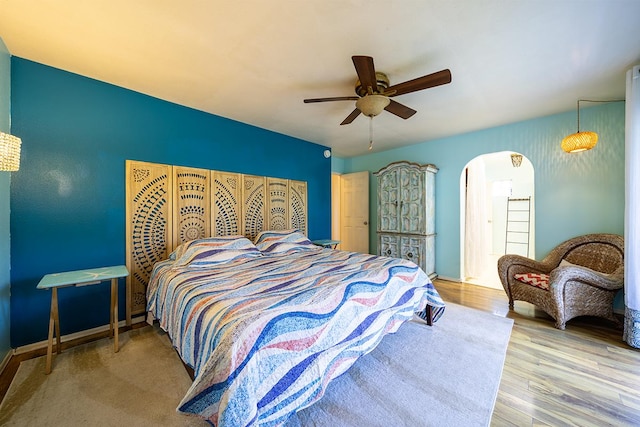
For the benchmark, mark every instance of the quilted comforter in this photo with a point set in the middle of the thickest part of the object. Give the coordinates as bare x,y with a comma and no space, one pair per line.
265,334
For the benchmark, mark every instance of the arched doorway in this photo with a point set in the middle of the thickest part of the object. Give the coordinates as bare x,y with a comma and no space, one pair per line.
496,214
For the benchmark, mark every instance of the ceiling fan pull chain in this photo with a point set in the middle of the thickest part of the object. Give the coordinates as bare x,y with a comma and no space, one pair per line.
370,132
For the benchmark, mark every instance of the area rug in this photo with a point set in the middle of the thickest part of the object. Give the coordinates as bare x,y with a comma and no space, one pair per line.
445,375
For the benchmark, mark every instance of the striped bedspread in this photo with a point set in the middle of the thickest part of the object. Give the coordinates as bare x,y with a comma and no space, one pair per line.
266,334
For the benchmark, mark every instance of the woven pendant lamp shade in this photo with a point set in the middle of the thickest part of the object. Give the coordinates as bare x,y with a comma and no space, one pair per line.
9,152
579,141
516,160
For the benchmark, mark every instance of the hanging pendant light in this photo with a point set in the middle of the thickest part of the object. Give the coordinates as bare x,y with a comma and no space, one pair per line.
579,141
516,160
9,152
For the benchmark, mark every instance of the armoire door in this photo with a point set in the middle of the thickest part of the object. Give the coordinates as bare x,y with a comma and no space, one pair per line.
412,249
389,201
412,198
389,245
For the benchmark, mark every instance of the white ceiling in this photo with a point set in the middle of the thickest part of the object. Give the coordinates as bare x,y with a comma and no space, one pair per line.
255,61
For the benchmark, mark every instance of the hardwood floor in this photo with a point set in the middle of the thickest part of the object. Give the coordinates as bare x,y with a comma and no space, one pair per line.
582,376
585,375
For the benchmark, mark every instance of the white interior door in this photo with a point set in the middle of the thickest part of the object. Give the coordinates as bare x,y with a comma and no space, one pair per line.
354,212
336,184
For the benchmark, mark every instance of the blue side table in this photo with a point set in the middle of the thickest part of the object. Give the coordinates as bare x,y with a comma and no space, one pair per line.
91,276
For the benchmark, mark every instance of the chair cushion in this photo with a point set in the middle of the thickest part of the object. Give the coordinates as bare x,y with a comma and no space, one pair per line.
539,280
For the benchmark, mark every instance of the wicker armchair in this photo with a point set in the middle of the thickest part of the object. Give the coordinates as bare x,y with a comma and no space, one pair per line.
584,289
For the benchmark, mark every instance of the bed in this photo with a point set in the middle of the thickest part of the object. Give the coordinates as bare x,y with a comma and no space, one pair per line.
266,326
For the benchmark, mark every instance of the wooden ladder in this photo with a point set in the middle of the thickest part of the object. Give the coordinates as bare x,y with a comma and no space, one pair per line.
518,224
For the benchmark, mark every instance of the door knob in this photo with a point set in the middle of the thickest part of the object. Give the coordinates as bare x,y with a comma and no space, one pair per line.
366,223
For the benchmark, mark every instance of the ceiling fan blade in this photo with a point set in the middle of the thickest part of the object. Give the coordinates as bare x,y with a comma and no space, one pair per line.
400,110
351,117
366,72
335,98
425,82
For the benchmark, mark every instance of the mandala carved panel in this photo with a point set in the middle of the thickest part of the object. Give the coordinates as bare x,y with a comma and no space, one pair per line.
298,205
191,207
226,191
149,215
277,204
253,205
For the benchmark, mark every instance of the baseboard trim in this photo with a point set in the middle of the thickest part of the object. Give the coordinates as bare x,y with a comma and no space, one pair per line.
5,361
449,279
81,334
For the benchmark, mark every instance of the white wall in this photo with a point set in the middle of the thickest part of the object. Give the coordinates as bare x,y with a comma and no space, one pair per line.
499,168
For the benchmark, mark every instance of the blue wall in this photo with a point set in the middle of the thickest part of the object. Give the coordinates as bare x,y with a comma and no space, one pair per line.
5,180
68,199
574,193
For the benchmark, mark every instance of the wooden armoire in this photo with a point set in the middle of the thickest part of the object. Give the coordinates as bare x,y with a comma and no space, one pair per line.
406,213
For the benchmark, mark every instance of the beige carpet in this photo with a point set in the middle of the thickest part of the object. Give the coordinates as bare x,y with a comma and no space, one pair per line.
447,375
90,385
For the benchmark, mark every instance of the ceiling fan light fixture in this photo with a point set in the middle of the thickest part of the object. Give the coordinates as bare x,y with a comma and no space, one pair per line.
372,105
382,81
374,91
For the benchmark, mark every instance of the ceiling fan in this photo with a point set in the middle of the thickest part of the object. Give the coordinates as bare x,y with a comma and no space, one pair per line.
373,91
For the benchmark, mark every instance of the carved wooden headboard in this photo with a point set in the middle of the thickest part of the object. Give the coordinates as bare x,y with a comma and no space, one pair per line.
169,205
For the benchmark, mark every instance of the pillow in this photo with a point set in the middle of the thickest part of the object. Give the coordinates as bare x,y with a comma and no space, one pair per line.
213,250
181,249
539,280
282,241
